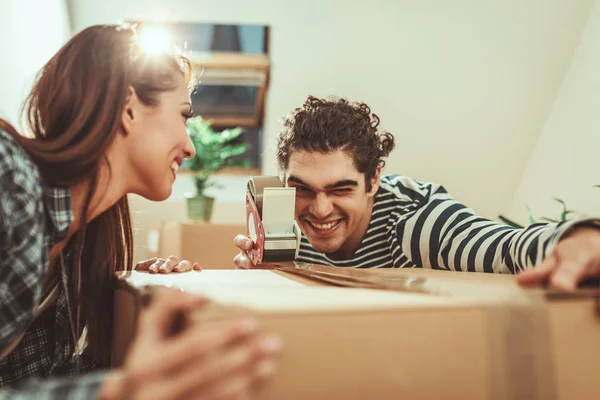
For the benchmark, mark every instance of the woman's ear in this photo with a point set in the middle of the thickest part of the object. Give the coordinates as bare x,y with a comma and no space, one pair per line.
130,111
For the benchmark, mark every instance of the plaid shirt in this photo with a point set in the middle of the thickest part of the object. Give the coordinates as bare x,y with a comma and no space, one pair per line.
33,217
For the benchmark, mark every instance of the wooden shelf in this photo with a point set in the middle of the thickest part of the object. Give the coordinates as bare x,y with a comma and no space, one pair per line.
225,122
231,171
231,61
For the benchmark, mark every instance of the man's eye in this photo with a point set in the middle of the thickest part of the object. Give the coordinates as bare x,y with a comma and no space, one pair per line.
342,191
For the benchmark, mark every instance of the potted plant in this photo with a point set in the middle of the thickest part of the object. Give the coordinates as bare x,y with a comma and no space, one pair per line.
214,151
564,215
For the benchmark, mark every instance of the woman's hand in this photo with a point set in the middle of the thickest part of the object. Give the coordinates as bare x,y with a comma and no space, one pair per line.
166,265
223,359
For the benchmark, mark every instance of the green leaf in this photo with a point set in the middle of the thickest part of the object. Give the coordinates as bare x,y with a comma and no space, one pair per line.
232,151
530,215
561,202
564,214
214,150
509,222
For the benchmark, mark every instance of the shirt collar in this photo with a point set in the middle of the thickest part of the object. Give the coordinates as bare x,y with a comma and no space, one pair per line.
58,207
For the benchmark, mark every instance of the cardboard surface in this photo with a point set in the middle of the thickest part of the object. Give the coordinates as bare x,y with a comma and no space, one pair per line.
267,292
475,336
209,244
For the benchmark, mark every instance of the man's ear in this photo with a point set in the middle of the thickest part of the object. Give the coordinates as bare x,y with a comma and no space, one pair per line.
130,111
375,181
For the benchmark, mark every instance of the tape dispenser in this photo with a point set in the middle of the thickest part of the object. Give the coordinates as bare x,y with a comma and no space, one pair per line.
270,220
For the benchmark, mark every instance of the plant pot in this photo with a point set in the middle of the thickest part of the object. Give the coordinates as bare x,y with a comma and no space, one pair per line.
199,207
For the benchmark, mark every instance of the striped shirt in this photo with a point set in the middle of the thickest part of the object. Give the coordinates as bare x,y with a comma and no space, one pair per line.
419,225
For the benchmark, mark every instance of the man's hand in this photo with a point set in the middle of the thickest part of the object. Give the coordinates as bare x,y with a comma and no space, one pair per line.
244,243
165,266
575,258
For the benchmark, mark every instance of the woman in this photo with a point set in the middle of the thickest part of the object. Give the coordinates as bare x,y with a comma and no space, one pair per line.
107,119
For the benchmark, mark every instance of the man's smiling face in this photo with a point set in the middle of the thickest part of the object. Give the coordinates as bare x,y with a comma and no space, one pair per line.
333,206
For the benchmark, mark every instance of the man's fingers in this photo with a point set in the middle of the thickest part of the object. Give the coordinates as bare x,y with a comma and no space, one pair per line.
568,274
540,273
242,261
197,267
562,272
243,242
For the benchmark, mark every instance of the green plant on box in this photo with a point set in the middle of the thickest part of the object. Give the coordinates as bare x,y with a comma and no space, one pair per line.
564,215
214,151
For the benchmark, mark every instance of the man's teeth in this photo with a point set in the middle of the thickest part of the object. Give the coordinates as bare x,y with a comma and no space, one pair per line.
324,227
175,166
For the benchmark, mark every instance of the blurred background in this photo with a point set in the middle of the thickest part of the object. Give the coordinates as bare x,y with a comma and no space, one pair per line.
498,100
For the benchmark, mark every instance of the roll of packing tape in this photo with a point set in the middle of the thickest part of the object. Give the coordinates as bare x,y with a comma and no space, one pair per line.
276,248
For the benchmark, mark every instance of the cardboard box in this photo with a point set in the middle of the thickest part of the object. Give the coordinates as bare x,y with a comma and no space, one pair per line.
211,245
439,335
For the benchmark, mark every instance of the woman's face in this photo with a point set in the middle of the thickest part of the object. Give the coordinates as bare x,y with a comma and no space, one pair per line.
157,142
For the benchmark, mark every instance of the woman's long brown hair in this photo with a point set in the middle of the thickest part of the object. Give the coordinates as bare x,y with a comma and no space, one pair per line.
74,112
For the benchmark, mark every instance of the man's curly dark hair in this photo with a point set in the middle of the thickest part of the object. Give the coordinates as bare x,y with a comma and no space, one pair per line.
323,126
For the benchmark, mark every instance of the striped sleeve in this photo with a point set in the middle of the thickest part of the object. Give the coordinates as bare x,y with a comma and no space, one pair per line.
444,234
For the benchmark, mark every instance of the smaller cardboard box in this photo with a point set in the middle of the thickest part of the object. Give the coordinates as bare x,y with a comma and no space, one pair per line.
438,335
211,245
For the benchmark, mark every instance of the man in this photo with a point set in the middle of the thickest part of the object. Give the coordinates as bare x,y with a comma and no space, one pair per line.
332,152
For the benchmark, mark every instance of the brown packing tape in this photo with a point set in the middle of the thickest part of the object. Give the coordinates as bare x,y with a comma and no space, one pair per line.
255,189
357,278
405,280
521,350
256,186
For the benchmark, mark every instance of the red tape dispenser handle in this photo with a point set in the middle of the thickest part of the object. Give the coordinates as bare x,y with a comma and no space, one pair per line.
277,238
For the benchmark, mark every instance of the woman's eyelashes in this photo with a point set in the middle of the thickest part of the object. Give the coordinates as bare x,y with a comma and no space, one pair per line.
188,115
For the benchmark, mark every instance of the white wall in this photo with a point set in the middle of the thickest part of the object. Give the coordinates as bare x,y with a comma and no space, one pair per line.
464,85
566,159
31,31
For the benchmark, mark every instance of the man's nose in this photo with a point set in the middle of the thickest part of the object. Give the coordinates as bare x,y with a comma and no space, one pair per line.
322,206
